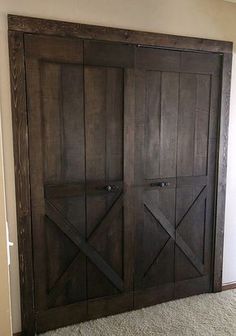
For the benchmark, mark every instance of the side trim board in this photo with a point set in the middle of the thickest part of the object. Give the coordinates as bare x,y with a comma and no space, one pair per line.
22,180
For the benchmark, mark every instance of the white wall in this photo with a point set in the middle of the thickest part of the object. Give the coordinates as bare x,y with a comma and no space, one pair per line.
5,309
202,18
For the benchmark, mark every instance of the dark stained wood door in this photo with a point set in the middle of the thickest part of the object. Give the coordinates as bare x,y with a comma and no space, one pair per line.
80,129
122,147
176,130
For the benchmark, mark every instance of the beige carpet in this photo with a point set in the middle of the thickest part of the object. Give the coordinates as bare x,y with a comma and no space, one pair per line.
203,315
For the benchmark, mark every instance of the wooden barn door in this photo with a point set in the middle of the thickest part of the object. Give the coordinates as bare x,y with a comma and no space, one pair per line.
80,135
176,129
122,148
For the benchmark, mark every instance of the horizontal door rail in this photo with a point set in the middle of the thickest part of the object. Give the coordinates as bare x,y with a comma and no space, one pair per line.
79,189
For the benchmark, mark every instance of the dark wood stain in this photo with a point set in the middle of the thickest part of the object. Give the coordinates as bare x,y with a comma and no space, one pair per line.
21,162
60,28
222,170
101,105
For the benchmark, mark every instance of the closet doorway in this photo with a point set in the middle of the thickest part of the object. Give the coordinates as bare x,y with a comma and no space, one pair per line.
120,142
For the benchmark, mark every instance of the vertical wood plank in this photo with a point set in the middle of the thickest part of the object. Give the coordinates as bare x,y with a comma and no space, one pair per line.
95,161
21,162
114,124
36,180
222,171
140,108
104,158
207,163
95,108
95,113
129,196
152,124
73,161
73,122
186,124
202,125
114,162
52,124
168,127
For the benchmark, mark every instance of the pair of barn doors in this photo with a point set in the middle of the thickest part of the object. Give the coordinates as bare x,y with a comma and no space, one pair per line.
123,170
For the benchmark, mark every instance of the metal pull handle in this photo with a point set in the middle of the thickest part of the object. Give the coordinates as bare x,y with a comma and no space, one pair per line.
160,184
110,187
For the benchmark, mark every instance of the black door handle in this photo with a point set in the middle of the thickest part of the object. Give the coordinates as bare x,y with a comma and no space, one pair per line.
160,184
109,187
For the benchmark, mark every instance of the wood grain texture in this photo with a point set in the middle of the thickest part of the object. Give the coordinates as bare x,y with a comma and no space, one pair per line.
53,27
128,171
57,48
60,31
76,127
108,54
222,171
21,162
104,162
78,240
154,235
176,116
110,305
60,316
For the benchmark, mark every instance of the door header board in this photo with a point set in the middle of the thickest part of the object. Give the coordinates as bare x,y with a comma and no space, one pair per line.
78,30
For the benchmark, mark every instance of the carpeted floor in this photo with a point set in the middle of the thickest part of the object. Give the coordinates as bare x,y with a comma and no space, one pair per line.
203,315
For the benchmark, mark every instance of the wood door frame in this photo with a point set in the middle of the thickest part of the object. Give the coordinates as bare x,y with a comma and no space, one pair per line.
17,27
